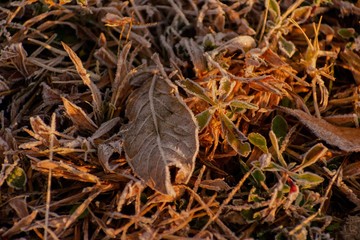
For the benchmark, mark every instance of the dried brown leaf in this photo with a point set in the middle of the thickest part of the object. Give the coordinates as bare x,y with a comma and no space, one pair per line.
352,170
16,55
162,133
78,116
16,228
50,96
61,169
95,92
347,139
105,128
196,55
113,20
20,206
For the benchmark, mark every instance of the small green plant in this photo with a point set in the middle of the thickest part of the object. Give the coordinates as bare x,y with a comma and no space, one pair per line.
221,110
292,179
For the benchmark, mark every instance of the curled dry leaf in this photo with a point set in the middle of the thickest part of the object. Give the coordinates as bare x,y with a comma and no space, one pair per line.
162,133
78,116
345,138
105,150
17,56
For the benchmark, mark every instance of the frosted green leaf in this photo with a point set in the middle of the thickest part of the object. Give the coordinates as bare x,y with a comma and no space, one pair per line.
195,89
280,127
307,179
203,118
226,87
274,9
313,155
275,144
287,47
259,141
346,33
301,14
258,175
243,104
234,136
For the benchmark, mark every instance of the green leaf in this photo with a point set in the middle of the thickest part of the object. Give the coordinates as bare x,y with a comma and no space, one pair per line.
275,144
285,189
273,167
226,87
259,141
258,175
203,118
243,104
287,47
254,197
195,89
301,14
274,9
234,136
229,126
280,127
307,179
346,33
299,199
17,178
313,155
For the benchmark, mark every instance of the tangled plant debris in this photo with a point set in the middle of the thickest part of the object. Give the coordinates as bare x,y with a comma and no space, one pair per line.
179,119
